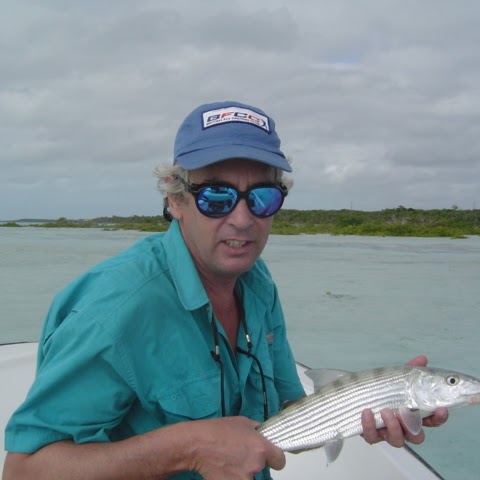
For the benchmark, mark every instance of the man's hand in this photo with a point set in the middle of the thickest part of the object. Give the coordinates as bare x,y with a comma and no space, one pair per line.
394,432
232,448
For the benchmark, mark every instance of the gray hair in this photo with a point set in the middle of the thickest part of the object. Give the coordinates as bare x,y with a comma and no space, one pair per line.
169,183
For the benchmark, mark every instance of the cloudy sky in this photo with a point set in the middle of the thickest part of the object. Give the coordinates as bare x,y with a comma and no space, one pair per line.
377,102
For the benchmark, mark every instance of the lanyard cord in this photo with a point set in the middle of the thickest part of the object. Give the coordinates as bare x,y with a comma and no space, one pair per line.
262,377
218,359
216,356
249,353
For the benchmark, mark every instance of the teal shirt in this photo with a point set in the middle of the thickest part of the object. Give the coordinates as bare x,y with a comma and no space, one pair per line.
126,348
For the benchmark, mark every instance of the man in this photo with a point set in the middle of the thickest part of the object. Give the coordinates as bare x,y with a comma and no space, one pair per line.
161,361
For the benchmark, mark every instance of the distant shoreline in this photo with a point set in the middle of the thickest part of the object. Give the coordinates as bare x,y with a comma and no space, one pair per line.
398,222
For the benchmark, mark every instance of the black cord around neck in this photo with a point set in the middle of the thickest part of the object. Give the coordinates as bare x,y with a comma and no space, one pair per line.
216,356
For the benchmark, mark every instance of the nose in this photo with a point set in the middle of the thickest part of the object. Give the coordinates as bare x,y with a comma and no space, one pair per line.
241,216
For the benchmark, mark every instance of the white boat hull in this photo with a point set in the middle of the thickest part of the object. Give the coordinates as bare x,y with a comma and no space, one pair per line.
358,459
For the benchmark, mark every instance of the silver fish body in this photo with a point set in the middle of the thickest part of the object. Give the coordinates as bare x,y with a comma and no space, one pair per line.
333,412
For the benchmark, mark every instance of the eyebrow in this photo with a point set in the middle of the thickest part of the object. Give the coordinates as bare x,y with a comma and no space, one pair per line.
213,180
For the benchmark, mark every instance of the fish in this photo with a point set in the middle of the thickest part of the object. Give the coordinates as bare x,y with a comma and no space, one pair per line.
332,413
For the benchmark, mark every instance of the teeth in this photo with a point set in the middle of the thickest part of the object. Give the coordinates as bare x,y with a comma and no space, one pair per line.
235,243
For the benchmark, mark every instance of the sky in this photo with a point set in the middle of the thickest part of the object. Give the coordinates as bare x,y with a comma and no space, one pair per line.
377,102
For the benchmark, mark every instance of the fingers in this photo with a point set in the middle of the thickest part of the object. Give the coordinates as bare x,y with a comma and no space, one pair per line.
276,459
393,432
370,432
418,361
438,418
416,439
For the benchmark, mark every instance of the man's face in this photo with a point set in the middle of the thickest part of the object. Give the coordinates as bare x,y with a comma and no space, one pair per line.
223,248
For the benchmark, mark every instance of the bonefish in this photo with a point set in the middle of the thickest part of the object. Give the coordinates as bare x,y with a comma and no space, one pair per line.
333,413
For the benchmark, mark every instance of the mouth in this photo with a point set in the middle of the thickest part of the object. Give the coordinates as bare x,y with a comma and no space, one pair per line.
236,243
474,399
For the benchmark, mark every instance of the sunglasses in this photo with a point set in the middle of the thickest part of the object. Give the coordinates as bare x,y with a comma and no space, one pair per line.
219,199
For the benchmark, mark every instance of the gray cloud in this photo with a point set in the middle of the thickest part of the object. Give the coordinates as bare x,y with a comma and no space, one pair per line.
377,102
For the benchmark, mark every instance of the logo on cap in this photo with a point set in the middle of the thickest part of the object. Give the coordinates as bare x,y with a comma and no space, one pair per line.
235,114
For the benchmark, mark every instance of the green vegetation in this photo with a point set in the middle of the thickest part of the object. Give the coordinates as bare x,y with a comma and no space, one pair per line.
9,224
399,222
143,224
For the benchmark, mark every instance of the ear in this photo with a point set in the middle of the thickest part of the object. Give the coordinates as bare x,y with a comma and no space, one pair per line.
175,207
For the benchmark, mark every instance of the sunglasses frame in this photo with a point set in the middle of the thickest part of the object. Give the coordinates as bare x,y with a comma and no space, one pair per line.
196,188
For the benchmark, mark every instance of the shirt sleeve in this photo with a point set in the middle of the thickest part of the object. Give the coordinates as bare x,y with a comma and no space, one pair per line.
81,390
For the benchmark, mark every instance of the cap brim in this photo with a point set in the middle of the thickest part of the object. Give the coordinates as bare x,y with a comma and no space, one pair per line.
202,158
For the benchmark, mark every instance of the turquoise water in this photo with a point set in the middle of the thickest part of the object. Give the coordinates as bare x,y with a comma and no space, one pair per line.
350,303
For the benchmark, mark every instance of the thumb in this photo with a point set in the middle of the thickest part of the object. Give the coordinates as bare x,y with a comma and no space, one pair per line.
276,458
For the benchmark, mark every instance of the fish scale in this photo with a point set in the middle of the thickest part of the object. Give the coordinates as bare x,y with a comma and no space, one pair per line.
333,412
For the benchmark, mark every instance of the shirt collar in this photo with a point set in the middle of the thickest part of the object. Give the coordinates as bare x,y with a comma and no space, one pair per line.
182,268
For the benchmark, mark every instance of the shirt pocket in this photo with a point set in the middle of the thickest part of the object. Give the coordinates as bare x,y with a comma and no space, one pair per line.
193,399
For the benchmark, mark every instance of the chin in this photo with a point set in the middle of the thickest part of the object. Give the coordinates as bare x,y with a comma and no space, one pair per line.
236,270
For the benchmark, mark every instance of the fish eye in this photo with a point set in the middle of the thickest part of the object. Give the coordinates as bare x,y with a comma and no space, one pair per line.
452,380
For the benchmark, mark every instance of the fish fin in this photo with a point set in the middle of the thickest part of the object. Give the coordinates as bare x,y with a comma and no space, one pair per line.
411,418
295,452
324,376
333,449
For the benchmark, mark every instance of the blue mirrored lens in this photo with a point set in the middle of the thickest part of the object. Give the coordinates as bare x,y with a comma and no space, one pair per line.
265,201
216,201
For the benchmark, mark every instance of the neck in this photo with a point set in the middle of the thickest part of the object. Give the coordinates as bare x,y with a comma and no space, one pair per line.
226,308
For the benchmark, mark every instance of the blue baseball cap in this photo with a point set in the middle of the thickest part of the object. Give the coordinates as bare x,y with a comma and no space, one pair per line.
226,130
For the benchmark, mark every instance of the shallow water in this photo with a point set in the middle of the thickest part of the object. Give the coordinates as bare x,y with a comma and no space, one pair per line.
350,303
360,302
